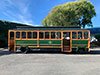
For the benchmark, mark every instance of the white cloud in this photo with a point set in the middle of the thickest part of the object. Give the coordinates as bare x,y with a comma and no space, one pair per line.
27,23
17,10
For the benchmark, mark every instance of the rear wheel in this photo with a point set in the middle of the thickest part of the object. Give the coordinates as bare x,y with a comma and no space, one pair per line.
24,49
83,50
86,50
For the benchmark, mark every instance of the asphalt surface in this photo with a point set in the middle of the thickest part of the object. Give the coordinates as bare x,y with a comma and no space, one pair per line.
49,63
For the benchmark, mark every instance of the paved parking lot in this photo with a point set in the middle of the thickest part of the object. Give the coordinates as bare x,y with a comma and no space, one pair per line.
49,63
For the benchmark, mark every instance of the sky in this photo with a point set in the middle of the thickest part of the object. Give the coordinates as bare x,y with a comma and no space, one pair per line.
32,12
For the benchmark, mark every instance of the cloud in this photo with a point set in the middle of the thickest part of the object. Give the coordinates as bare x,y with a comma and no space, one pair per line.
17,10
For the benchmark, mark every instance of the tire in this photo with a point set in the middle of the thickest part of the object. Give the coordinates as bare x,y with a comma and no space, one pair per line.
87,50
24,50
82,51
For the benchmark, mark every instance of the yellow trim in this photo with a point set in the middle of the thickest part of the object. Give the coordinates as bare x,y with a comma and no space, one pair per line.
71,41
49,46
38,38
8,41
14,41
79,39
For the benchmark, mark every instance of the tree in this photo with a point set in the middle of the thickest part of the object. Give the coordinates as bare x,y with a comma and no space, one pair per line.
77,13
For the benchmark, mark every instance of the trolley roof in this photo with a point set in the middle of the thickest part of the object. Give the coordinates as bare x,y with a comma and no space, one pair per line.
47,28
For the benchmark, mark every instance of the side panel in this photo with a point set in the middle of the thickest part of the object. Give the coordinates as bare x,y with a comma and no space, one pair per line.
79,43
26,42
49,42
39,43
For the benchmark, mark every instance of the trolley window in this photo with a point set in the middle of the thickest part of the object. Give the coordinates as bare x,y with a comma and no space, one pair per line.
74,35
79,35
41,35
85,35
34,35
47,35
17,34
58,35
52,35
66,35
11,35
23,34
29,34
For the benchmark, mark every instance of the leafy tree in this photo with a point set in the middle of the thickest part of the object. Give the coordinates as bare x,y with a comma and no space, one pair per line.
77,13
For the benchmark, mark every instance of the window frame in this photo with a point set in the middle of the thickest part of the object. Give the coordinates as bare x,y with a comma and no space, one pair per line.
12,37
57,35
67,32
87,34
36,35
43,34
22,35
53,37
81,37
19,35
75,34
31,35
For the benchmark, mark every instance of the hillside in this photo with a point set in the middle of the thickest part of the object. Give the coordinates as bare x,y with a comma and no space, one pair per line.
94,30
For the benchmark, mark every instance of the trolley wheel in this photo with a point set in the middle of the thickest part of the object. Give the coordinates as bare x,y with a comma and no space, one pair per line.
83,51
24,50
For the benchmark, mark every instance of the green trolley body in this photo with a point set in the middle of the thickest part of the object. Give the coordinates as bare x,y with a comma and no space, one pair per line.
63,38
